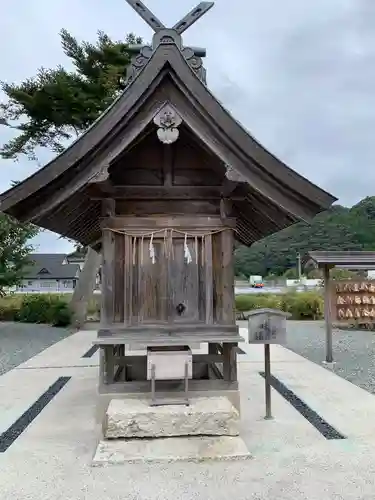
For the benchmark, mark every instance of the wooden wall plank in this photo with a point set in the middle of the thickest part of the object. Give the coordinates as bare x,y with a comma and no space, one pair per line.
184,282
151,295
227,274
162,207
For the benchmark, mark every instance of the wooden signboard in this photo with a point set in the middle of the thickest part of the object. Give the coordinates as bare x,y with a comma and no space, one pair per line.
267,326
353,301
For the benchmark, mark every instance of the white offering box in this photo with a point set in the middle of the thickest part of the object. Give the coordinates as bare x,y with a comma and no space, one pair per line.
169,364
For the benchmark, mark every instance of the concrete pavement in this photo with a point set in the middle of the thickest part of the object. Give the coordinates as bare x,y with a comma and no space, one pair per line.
292,459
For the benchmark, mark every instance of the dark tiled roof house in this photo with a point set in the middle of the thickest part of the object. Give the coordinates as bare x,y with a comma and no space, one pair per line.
49,273
51,267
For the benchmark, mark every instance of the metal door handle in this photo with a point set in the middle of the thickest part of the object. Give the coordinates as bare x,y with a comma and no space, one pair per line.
180,309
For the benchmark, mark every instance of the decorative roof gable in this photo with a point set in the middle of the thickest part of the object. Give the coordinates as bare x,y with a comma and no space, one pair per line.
166,91
44,271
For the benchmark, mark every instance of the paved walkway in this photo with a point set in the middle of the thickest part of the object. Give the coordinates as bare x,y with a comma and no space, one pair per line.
21,341
292,459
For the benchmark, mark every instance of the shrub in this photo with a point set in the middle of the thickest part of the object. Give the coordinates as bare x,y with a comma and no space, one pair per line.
60,314
252,301
9,307
34,309
50,309
301,305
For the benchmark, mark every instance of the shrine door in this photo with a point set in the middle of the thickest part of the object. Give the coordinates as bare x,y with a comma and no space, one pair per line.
168,281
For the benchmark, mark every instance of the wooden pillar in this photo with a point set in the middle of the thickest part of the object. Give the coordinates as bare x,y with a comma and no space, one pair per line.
328,315
102,368
128,280
85,287
227,273
209,279
230,362
119,289
108,256
109,366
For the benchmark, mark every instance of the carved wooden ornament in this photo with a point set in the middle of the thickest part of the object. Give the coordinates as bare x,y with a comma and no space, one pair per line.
168,121
232,175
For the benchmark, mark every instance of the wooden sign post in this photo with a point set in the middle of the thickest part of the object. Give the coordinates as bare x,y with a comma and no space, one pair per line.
267,326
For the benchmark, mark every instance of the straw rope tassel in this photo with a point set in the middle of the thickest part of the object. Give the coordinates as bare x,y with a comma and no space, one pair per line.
142,241
203,251
165,243
152,249
134,250
187,254
171,244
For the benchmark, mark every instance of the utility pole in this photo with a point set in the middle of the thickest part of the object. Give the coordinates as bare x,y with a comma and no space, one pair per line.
299,271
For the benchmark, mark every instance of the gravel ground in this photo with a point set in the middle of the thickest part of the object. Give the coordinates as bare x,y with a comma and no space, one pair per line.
353,351
20,342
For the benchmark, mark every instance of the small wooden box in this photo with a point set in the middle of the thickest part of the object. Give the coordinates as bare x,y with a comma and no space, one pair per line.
169,364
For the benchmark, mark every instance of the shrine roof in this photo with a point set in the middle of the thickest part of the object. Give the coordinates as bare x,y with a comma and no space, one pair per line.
346,259
55,197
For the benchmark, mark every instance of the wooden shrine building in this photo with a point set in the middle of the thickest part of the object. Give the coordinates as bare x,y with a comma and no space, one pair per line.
162,184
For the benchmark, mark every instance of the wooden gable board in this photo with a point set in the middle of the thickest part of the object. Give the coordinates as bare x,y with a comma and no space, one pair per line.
258,163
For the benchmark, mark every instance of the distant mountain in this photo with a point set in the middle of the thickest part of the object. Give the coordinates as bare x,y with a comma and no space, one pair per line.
339,228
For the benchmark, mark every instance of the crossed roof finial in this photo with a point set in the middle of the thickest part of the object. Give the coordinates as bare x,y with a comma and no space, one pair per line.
162,36
179,27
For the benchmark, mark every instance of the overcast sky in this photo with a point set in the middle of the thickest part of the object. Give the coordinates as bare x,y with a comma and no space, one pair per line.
300,75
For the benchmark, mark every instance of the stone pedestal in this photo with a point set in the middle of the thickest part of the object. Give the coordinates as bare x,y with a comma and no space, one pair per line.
134,431
129,418
187,449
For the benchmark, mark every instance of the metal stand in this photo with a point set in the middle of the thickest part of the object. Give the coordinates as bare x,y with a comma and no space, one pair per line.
267,377
167,401
328,316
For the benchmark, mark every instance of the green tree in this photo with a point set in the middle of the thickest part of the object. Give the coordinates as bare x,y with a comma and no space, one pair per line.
57,105
339,228
14,250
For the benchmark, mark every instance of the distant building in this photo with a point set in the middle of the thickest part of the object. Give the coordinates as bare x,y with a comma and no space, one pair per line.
50,273
76,257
